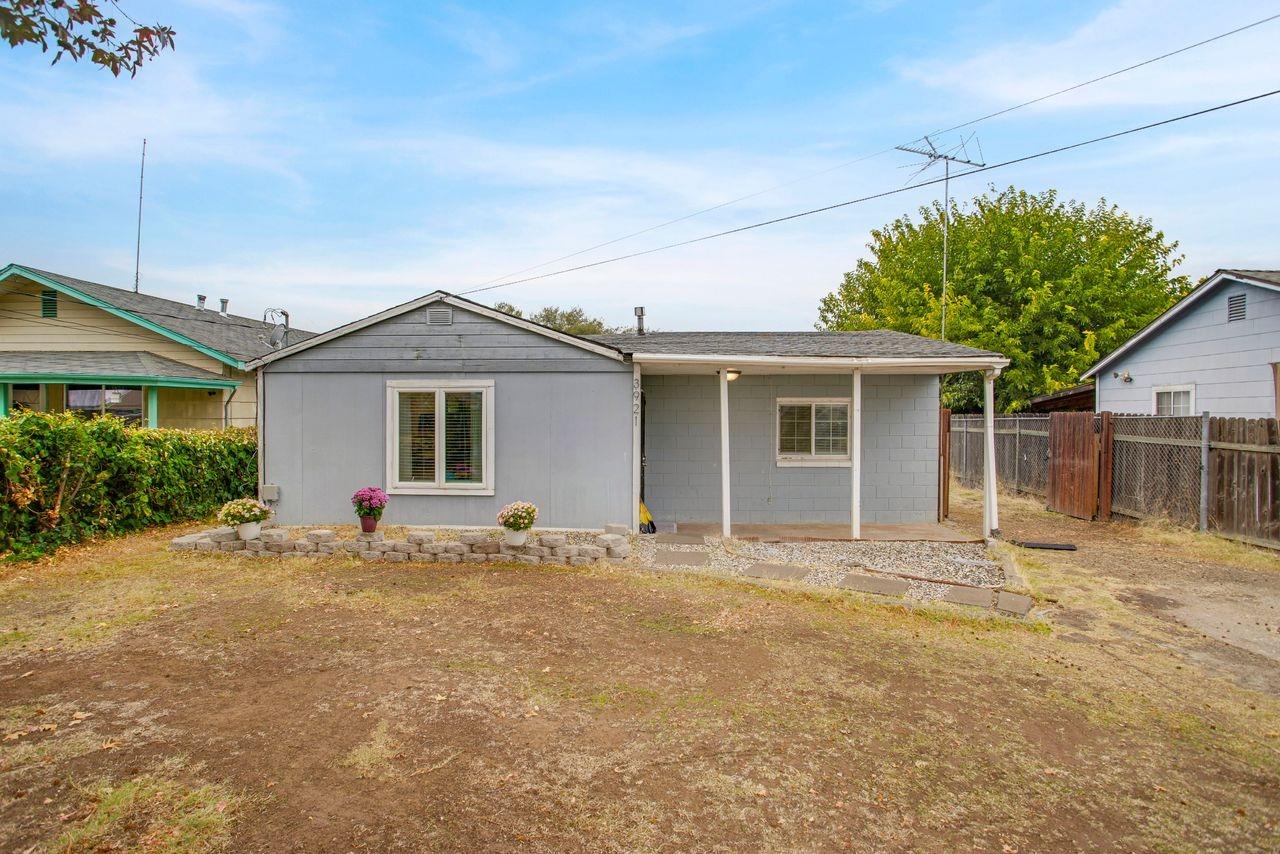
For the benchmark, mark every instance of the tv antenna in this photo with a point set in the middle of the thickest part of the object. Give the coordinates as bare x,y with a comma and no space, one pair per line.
137,251
933,155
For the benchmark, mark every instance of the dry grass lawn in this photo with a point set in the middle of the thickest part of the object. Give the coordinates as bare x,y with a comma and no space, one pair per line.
186,701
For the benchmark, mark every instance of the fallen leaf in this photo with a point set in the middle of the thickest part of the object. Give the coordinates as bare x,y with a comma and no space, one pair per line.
25,675
110,744
221,807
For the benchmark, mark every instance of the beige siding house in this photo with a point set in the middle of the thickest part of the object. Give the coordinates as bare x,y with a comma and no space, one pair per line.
69,344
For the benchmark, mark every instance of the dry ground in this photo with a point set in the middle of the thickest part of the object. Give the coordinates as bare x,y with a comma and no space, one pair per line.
191,701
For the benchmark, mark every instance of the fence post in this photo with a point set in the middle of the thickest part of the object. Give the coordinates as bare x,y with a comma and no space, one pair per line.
1106,465
1017,452
965,467
1204,471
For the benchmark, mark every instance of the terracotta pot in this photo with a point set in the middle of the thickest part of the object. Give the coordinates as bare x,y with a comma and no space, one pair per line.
368,524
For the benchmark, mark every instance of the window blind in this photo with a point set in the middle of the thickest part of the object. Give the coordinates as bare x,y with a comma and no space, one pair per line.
464,437
795,429
418,436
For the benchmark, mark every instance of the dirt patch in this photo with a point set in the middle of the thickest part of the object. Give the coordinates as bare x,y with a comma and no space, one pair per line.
339,705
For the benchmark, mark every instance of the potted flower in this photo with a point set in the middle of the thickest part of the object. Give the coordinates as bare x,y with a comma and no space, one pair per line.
247,515
517,518
369,503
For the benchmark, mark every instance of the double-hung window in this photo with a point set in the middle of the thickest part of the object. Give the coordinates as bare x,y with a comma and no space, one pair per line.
440,437
813,431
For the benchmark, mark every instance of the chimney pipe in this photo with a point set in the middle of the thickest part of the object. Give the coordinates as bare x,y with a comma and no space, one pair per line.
200,301
639,320
223,311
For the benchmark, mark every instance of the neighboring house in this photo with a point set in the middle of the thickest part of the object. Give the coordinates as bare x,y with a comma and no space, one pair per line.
1216,350
1077,398
457,409
68,344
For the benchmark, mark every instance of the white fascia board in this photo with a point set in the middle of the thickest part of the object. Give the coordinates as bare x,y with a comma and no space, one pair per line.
437,296
1172,312
925,364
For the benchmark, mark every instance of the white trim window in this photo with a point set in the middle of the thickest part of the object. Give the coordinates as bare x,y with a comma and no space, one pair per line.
440,437
812,431
1173,400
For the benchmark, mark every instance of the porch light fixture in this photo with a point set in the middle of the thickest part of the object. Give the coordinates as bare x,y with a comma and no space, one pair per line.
732,375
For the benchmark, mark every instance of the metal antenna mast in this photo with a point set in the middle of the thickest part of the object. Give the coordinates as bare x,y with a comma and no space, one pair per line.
137,252
932,155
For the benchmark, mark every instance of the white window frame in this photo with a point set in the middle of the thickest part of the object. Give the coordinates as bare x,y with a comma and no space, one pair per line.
1156,390
397,487
810,460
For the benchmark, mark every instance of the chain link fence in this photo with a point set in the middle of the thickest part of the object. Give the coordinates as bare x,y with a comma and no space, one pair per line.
1219,474
1155,469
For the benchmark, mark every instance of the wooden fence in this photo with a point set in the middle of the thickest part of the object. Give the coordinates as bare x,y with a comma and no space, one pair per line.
1221,475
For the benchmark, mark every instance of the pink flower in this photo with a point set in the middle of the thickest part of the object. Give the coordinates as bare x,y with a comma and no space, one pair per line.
369,501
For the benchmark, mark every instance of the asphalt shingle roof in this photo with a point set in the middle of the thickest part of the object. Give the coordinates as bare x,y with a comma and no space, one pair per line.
99,363
240,337
1272,276
876,343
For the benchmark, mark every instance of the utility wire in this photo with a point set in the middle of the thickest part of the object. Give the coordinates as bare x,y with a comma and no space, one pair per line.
881,152
881,195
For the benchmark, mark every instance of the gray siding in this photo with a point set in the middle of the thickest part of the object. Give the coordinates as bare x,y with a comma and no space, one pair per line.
562,423
1230,364
471,344
682,451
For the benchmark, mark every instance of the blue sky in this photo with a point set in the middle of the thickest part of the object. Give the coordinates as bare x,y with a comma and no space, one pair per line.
335,158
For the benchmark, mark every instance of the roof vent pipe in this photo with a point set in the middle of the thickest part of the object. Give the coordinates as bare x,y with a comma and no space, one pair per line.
223,311
639,320
200,301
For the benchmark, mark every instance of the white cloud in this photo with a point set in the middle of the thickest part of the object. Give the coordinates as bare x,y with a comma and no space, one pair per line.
1124,34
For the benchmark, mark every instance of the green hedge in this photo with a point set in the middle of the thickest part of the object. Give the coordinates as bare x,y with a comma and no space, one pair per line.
64,478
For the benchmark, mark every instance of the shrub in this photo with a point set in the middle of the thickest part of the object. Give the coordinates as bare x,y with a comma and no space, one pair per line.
518,516
369,501
64,479
241,511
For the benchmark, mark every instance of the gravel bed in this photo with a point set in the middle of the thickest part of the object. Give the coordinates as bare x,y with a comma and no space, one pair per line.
966,563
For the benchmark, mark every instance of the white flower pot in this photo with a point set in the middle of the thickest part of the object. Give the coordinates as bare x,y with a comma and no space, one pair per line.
514,538
249,530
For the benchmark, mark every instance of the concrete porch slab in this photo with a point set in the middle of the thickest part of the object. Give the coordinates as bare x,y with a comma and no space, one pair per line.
821,532
679,539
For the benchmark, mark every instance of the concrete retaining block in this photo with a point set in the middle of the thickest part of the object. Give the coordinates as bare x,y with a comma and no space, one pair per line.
321,535
976,596
1014,603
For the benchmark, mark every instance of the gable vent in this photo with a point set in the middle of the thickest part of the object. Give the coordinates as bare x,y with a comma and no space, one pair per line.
1235,307
439,316
48,303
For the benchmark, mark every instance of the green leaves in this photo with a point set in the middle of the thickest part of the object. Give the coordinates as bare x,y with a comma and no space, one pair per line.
63,479
1052,285
77,28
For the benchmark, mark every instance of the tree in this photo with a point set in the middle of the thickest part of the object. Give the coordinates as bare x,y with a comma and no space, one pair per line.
78,28
1054,286
573,320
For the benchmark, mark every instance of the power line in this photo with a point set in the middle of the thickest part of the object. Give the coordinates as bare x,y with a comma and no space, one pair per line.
880,195
881,152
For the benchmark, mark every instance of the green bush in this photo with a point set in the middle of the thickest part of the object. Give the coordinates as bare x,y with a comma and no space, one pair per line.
64,479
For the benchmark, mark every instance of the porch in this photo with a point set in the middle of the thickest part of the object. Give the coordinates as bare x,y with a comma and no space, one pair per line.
777,449
142,388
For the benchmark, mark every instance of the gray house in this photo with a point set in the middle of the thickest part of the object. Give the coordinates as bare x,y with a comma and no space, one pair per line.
456,409
1216,350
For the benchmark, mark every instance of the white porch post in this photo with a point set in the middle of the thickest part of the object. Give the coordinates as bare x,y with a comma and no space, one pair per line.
990,515
635,447
724,452
855,457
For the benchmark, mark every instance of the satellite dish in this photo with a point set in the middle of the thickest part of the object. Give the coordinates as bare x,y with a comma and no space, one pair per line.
278,333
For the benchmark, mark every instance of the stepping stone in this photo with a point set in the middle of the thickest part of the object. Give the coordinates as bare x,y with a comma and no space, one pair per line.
874,584
674,558
980,597
1013,603
778,571
681,539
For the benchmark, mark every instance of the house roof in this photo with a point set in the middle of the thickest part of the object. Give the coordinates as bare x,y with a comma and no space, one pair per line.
240,338
1268,279
448,299
874,344
131,367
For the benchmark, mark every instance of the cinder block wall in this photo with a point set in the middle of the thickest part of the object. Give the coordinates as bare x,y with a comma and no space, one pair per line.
682,451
